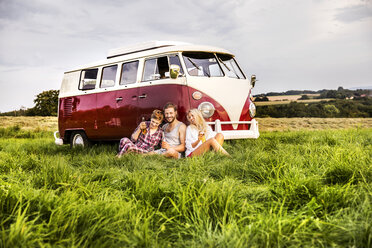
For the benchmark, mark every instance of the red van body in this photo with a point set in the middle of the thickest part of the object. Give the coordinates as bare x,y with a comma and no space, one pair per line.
106,100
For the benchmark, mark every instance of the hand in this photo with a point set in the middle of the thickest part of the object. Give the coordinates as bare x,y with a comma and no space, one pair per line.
165,145
143,125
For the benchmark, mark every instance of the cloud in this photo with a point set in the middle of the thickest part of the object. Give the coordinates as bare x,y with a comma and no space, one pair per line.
354,13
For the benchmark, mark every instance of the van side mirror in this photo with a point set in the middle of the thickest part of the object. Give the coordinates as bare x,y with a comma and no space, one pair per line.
174,71
253,80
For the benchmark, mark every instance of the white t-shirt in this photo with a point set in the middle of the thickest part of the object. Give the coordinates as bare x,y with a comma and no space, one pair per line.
192,134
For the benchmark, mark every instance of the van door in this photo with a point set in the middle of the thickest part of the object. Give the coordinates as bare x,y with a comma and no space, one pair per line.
127,100
117,106
82,108
106,104
157,88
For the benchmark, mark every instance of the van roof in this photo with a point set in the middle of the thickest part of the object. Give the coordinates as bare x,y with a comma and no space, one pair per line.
140,47
150,48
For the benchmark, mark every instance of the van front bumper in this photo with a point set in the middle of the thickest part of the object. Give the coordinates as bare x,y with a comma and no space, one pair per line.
57,141
252,133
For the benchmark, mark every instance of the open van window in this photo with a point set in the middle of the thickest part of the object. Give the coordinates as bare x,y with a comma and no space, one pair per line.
88,79
202,64
229,66
175,60
108,76
129,73
158,68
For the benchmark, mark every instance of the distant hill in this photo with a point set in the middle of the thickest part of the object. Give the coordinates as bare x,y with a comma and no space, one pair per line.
340,93
361,88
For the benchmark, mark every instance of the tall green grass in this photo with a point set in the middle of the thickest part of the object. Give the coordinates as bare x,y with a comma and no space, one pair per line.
285,189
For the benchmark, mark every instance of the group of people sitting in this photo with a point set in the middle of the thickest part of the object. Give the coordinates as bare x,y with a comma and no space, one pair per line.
173,137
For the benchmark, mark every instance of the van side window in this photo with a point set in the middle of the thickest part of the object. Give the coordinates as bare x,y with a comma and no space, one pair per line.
129,73
88,79
175,60
108,76
157,68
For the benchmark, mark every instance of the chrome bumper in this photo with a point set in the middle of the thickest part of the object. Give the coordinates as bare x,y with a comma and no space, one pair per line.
252,133
57,141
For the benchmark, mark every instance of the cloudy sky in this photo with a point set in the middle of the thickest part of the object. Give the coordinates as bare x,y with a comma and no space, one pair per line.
288,44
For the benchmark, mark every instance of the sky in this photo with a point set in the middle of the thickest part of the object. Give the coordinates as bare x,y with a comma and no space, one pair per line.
288,45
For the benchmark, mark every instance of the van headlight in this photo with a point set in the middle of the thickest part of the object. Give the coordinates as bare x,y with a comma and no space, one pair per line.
252,109
207,109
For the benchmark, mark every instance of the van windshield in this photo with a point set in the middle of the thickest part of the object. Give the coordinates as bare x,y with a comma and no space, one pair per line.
229,66
202,64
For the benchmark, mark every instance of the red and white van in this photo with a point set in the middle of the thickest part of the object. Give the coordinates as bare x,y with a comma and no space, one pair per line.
107,99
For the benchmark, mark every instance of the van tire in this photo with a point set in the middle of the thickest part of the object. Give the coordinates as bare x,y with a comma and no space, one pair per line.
79,138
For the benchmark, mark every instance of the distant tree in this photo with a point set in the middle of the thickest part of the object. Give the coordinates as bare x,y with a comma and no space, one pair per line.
261,99
46,104
331,110
304,97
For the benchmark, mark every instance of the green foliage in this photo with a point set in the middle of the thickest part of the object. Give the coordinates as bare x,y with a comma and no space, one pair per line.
261,99
285,189
46,104
304,97
336,108
340,93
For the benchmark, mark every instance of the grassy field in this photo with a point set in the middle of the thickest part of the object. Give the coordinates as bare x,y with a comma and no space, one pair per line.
278,102
286,99
38,123
306,188
265,124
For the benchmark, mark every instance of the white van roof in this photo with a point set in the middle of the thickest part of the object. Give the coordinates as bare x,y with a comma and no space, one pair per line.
140,47
147,49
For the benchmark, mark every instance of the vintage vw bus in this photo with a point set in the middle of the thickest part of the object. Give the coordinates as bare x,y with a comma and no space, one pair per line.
106,100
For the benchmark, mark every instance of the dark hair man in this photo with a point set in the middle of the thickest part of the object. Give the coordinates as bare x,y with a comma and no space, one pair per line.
174,133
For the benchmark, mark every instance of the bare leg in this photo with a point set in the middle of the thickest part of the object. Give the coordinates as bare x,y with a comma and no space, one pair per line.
219,137
206,146
218,147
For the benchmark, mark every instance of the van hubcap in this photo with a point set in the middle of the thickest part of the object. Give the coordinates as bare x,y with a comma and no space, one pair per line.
78,140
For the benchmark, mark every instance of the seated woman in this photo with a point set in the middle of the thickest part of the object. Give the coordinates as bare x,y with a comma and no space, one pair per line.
146,136
200,137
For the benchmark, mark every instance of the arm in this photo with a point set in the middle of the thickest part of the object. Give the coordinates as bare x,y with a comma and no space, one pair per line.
182,136
164,144
136,134
138,130
195,143
191,138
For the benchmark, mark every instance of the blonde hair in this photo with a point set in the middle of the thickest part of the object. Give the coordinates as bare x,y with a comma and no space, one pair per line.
201,125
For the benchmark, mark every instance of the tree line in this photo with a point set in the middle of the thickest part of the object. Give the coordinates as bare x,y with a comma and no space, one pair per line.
341,108
46,104
340,93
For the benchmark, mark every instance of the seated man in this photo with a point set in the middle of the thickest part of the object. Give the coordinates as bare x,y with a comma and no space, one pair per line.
174,134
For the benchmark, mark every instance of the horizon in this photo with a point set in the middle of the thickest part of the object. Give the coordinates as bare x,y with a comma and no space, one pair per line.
356,88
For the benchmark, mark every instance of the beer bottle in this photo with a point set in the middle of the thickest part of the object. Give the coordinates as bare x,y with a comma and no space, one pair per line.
203,137
144,131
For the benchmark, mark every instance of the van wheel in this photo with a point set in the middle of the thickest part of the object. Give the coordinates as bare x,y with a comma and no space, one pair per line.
79,138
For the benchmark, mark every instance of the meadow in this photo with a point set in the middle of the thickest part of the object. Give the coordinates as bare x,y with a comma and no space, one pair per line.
289,188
